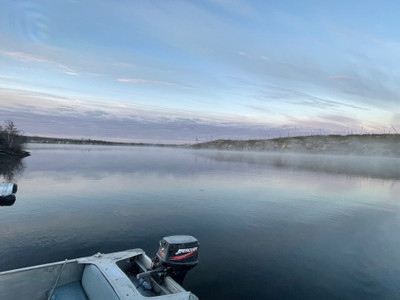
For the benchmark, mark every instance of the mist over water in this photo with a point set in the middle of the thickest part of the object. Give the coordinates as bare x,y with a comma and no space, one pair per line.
269,225
364,166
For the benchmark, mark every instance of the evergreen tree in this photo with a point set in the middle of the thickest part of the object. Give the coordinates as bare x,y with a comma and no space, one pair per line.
11,138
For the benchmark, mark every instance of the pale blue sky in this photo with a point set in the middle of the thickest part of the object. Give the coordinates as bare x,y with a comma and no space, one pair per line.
177,71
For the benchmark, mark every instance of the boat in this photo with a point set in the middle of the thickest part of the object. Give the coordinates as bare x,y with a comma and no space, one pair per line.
7,193
124,275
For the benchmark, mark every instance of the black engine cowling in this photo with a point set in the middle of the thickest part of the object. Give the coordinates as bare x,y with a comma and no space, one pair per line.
178,254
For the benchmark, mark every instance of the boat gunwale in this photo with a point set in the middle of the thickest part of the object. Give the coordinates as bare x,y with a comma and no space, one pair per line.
46,265
102,261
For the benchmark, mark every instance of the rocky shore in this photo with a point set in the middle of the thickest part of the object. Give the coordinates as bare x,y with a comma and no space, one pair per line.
371,144
11,155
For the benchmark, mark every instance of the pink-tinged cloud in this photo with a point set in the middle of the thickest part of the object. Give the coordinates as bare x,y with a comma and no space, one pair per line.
25,56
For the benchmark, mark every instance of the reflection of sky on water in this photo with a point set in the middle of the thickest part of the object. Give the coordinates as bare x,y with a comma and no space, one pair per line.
299,232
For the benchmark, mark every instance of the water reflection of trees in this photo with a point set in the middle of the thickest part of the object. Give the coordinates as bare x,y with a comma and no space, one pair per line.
10,170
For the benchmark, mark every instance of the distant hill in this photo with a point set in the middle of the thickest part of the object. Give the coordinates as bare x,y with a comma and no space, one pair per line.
368,144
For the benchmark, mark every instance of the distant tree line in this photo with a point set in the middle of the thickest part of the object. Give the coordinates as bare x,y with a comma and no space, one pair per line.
11,139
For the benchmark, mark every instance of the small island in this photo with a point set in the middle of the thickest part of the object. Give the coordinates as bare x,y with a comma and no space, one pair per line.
11,143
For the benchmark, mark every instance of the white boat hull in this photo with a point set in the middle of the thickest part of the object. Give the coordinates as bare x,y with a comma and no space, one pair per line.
102,276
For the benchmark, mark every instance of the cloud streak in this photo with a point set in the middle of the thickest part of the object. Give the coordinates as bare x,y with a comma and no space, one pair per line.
293,96
140,81
46,114
28,57
25,56
339,77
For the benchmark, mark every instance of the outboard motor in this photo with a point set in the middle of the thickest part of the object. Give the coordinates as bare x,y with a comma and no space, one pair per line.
178,254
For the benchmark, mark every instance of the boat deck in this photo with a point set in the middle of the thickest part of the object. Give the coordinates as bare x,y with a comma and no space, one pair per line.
98,277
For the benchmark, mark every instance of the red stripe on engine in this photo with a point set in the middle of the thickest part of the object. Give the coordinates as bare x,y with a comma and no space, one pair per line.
179,257
161,253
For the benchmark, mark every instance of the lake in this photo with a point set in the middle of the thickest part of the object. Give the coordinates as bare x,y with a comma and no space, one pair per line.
270,226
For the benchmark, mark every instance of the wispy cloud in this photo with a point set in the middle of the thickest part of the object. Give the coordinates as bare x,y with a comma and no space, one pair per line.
293,96
28,57
72,73
340,119
145,81
67,70
25,56
140,81
339,78
254,57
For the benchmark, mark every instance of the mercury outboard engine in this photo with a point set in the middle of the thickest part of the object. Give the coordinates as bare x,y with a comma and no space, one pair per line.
177,254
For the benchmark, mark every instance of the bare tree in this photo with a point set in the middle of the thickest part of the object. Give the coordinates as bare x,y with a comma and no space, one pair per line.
11,133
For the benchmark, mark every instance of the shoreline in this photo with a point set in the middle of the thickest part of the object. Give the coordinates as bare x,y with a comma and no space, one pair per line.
365,144
68,141
368,144
7,156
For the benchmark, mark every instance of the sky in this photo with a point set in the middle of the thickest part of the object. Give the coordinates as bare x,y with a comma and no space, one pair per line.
175,71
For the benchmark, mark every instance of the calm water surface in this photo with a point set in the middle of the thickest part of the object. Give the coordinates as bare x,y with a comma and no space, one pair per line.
269,226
